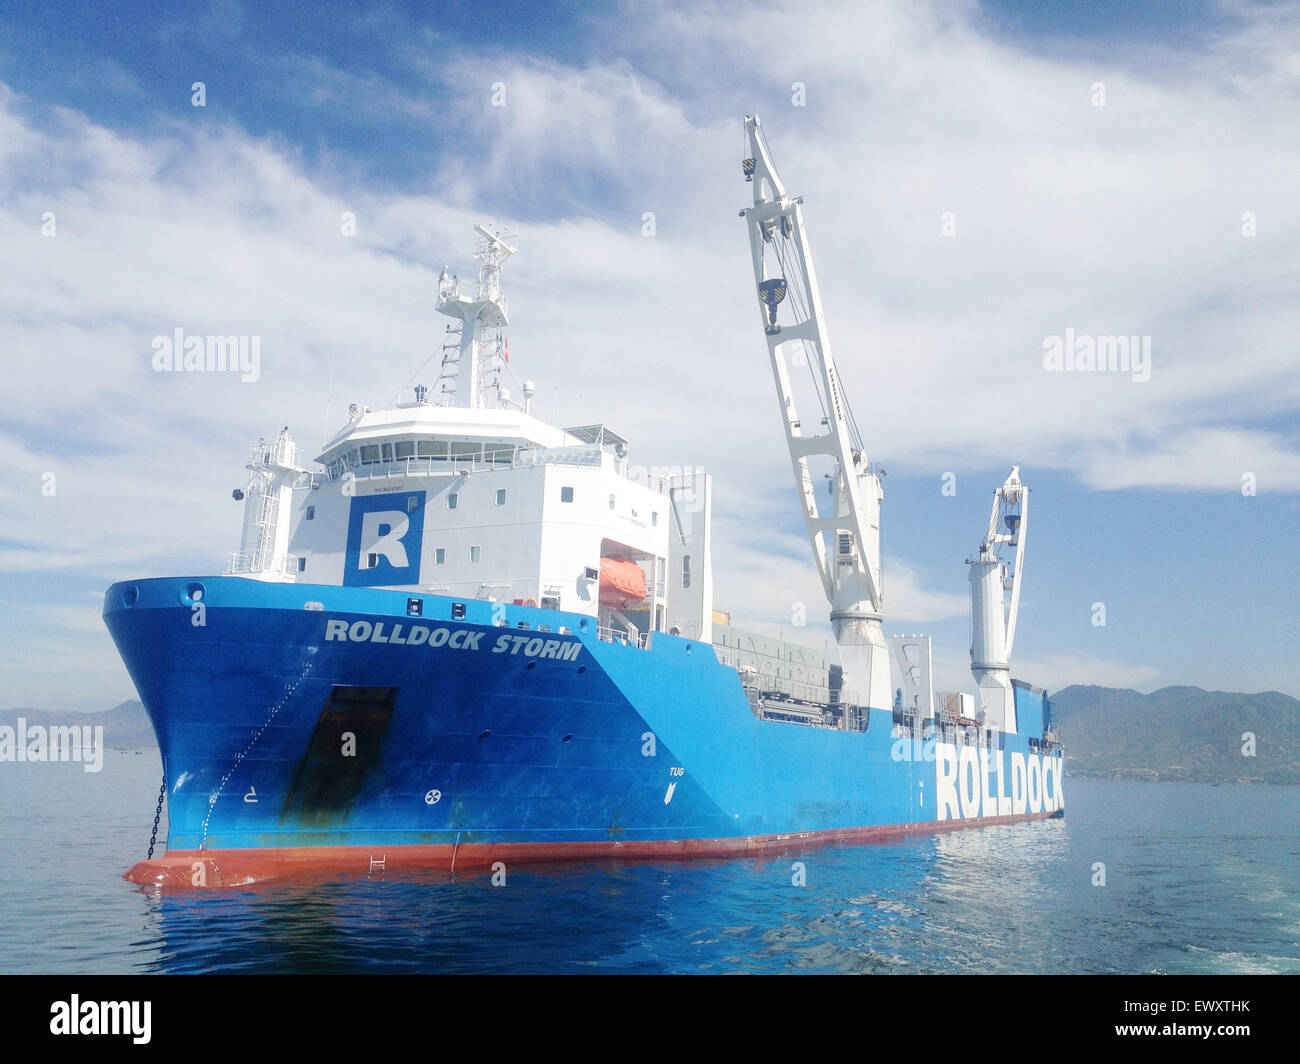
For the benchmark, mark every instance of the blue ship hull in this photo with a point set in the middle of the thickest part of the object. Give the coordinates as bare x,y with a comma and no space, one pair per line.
306,727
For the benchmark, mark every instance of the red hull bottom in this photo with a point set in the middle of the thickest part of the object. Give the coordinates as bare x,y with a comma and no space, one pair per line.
200,869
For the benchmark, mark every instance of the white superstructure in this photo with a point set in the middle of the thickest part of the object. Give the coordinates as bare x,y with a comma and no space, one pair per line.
993,572
459,490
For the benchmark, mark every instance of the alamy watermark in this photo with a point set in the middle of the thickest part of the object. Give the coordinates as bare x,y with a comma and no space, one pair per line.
55,743
121,1018
1098,354
179,353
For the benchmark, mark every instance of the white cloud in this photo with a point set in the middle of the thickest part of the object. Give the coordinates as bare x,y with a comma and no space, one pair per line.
1211,459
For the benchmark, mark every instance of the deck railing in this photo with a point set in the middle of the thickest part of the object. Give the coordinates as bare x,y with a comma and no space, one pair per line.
239,562
618,635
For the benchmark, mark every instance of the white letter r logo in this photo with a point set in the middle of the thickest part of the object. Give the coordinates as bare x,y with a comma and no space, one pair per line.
377,542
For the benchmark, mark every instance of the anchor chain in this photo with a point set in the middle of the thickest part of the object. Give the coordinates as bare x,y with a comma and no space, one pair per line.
239,757
157,814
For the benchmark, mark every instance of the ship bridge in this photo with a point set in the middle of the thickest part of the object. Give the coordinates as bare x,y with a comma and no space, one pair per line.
420,439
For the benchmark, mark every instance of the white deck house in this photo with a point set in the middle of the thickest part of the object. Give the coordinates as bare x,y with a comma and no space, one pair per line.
461,492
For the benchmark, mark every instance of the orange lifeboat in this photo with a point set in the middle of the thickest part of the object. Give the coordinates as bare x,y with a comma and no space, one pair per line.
622,583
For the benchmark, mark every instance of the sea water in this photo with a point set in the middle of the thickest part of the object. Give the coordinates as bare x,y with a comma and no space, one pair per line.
1137,878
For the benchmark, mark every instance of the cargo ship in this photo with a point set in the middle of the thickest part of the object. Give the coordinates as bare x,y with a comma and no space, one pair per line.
464,638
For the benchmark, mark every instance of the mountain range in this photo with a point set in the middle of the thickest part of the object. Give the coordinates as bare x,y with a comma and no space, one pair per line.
1179,733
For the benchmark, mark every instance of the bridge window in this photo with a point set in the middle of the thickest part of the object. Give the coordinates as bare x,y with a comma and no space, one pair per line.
405,449
388,452
432,448
451,500
566,495
369,453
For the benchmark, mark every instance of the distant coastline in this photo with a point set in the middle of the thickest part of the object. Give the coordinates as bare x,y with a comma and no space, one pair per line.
126,726
1182,734
1172,775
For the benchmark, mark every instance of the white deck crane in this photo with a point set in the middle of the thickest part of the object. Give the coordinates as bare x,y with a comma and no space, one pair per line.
992,619
845,536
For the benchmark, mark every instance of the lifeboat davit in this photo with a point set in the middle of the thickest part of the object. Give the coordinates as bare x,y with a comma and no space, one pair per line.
622,583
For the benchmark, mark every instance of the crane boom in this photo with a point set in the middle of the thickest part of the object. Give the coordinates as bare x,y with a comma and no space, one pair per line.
993,619
845,535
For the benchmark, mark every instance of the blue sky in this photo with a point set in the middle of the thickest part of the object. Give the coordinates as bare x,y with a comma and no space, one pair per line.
1120,217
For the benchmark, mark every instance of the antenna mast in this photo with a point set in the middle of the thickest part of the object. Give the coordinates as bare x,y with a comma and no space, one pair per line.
488,309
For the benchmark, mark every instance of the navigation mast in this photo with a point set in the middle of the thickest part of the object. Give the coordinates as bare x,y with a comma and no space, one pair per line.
487,309
993,620
845,535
